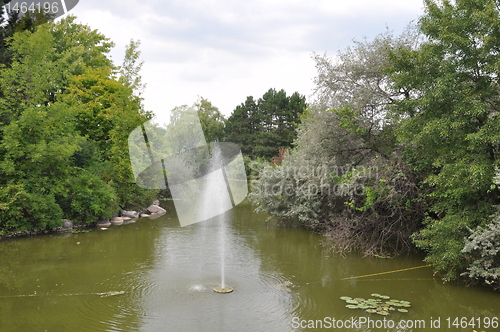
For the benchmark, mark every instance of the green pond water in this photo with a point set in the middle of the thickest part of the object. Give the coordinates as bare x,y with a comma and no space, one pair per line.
283,280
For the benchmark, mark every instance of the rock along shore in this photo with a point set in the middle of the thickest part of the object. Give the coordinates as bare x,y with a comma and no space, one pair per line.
154,210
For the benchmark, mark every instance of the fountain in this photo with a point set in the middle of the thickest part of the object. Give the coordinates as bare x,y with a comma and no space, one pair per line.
222,289
215,184
204,182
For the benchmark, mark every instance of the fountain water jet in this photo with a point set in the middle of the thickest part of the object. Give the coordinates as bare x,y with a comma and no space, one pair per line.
222,289
217,184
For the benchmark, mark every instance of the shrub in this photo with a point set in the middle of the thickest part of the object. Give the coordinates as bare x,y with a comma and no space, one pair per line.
21,210
483,248
89,198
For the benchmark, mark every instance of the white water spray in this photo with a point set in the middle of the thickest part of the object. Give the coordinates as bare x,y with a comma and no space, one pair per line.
216,185
222,252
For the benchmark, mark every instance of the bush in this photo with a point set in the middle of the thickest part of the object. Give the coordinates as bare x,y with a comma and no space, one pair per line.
483,248
331,183
21,210
88,198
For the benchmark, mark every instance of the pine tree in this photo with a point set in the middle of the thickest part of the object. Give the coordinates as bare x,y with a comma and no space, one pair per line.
241,126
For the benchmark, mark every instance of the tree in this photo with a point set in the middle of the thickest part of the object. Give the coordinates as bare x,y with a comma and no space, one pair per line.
211,119
261,128
449,121
11,22
131,68
37,139
241,126
345,175
66,119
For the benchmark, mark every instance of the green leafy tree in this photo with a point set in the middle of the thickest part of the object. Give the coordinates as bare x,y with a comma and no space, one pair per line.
38,137
66,117
211,119
449,121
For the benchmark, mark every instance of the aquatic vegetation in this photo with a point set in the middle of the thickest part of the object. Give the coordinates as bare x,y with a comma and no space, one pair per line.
378,304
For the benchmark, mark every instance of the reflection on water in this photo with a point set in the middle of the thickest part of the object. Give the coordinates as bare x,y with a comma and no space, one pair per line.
279,275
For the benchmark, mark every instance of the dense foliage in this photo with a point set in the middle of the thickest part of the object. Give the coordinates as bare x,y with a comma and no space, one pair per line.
449,122
66,114
482,249
422,110
345,175
399,151
264,126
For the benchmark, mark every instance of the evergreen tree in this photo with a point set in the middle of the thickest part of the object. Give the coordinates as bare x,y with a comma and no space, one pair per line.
241,126
261,128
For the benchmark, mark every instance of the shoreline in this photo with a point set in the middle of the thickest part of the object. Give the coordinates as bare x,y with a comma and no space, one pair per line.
34,232
62,229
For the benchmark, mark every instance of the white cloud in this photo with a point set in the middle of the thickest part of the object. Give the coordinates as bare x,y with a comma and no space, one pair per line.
226,50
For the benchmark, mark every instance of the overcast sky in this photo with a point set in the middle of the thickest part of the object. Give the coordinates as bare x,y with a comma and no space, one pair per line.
226,50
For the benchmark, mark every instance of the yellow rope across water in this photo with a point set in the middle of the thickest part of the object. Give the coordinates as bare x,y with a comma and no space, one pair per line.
377,274
398,279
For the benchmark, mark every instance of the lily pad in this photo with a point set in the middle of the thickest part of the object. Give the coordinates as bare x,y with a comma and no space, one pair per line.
363,306
379,304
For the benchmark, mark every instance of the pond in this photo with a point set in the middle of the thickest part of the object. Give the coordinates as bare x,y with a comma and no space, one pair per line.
282,277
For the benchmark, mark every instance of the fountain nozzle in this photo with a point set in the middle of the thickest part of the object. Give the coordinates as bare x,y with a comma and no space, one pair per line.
223,290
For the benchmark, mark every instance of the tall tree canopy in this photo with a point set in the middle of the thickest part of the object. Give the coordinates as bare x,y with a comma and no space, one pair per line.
449,121
211,119
66,116
262,127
